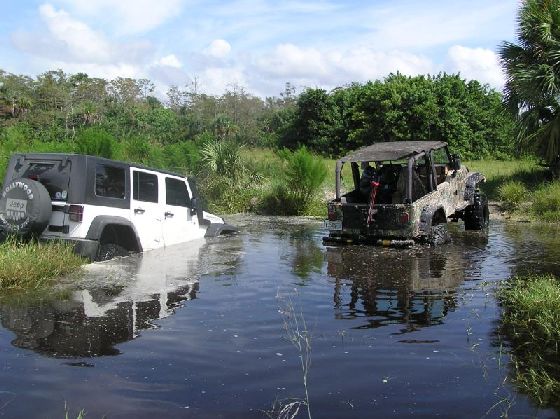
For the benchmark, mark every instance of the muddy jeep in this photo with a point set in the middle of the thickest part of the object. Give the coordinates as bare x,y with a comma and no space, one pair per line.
105,208
404,192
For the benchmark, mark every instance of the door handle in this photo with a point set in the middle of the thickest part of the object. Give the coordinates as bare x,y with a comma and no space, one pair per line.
139,211
168,214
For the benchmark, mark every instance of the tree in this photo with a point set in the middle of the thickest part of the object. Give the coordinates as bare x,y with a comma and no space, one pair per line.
532,90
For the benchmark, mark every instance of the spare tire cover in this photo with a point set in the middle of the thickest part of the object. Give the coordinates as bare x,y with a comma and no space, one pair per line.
25,207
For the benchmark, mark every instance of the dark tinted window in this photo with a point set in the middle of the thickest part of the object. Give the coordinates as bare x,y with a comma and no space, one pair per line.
145,186
109,181
177,193
54,175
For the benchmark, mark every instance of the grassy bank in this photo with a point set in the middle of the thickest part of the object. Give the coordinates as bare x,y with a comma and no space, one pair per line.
531,321
28,266
522,188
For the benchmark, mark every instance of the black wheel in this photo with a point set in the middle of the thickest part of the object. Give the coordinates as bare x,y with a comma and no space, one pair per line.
108,251
477,215
438,235
25,207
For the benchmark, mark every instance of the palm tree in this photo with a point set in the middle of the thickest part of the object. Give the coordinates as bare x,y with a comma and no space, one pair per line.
532,67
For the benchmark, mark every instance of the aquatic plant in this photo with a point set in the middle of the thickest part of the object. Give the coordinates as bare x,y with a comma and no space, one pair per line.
531,321
297,333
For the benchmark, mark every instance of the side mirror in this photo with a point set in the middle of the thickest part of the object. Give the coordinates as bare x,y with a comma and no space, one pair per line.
455,162
194,206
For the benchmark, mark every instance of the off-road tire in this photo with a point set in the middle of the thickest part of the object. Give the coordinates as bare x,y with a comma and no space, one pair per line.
439,234
477,215
107,251
25,207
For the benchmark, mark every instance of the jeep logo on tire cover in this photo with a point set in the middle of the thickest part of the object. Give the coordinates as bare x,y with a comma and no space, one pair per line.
16,209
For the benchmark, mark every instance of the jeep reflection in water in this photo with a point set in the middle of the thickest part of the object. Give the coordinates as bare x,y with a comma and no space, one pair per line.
403,192
105,208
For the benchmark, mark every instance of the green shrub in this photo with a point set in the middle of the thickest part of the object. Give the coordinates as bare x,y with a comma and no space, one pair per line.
512,194
225,194
296,189
183,157
222,157
278,200
95,142
546,202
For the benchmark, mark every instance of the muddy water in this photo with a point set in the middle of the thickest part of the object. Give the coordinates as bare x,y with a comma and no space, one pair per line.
203,330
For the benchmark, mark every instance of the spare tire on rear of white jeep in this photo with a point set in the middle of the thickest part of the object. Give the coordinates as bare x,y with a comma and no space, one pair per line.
25,207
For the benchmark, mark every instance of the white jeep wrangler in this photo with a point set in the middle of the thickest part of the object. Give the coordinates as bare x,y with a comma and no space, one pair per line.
106,208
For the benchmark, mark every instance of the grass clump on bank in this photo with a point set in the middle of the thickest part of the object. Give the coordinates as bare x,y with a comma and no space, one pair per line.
546,202
531,320
33,265
522,187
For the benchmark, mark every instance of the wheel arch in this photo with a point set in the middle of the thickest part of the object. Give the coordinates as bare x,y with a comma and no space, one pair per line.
118,230
431,215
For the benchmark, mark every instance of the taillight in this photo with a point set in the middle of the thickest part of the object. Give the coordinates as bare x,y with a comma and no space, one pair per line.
404,218
76,213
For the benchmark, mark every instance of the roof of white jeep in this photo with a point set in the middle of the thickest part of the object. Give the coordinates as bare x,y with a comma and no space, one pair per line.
394,150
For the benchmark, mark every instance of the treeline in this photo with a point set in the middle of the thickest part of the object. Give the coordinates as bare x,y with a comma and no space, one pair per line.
211,136
468,115
56,107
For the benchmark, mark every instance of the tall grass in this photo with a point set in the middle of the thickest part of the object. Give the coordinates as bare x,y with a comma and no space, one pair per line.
299,184
531,320
512,194
546,202
32,265
498,172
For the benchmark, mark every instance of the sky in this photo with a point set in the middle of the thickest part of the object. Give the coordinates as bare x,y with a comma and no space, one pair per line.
258,45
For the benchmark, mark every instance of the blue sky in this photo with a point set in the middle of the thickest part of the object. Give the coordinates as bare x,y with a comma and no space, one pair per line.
256,44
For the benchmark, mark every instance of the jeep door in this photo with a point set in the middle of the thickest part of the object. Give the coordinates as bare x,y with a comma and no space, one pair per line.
180,224
146,208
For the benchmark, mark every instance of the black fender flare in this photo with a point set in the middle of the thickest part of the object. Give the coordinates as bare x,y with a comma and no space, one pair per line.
101,221
217,229
471,185
427,216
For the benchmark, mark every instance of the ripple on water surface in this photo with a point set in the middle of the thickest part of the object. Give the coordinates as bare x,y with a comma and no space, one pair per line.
219,328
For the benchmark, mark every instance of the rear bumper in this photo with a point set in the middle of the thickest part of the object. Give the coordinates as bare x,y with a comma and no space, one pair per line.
83,247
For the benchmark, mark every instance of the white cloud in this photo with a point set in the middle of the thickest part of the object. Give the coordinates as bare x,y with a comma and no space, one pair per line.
170,61
216,80
65,39
289,60
337,67
128,16
218,48
476,63
81,42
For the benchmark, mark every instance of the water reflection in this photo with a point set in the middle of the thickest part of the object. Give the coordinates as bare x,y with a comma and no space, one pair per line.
116,300
415,287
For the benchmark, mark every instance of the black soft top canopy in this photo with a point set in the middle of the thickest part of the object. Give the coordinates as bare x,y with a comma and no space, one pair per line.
394,150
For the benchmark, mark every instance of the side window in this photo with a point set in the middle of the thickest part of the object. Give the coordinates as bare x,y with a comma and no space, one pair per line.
440,156
145,186
176,192
109,181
